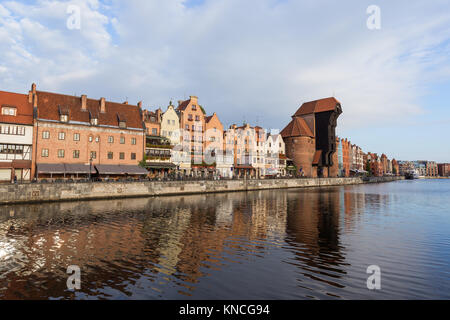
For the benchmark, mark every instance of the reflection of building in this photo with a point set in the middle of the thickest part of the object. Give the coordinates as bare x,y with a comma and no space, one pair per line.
16,136
310,137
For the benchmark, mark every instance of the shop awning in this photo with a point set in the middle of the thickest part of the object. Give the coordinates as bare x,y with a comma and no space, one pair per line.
160,165
244,167
21,164
120,169
108,169
78,169
131,169
51,168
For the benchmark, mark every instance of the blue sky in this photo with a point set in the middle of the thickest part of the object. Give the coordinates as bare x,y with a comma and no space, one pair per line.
254,60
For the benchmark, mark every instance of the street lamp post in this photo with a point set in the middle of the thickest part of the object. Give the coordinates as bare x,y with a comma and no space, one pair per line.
90,168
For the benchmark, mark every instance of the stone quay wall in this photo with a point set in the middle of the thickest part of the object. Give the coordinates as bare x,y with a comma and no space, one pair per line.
49,192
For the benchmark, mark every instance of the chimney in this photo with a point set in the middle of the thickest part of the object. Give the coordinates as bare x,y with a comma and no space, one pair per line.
102,105
139,104
126,102
33,88
180,102
83,102
158,114
30,97
35,101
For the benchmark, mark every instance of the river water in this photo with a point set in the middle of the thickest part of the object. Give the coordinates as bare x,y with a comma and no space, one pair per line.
274,244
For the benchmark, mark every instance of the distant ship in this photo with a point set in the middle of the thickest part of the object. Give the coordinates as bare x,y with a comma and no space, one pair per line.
412,174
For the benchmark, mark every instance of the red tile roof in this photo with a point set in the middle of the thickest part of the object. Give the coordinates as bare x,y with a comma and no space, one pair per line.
183,105
20,101
321,105
297,127
51,104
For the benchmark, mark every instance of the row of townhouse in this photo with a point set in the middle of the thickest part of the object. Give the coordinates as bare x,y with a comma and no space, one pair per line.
353,161
47,135
185,140
421,167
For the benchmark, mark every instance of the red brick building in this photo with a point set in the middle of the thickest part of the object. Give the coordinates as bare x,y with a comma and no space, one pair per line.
346,145
395,168
310,137
444,169
76,137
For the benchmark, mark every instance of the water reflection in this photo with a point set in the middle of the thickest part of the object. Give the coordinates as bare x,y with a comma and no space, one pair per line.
284,244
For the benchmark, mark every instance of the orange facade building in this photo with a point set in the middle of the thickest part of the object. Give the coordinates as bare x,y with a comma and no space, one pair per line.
192,126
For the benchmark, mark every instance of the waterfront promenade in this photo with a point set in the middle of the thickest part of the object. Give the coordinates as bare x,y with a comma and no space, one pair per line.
50,192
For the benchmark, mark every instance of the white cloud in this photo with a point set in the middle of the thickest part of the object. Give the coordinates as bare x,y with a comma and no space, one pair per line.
253,59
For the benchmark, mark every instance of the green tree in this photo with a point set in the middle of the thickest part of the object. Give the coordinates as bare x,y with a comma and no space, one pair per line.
368,169
143,162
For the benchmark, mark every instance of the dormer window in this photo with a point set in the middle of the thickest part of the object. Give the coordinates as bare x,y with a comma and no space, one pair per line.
63,114
9,111
122,121
94,121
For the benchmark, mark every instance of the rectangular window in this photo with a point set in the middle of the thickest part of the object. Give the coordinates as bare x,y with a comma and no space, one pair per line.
154,131
93,155
197,118
64,118
76,154
45,134
110,155
9,111
133,141
168,121
76,137
44,153
187,127
61,135
94,121
122,156
122,140
133,156
111,139
61,153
